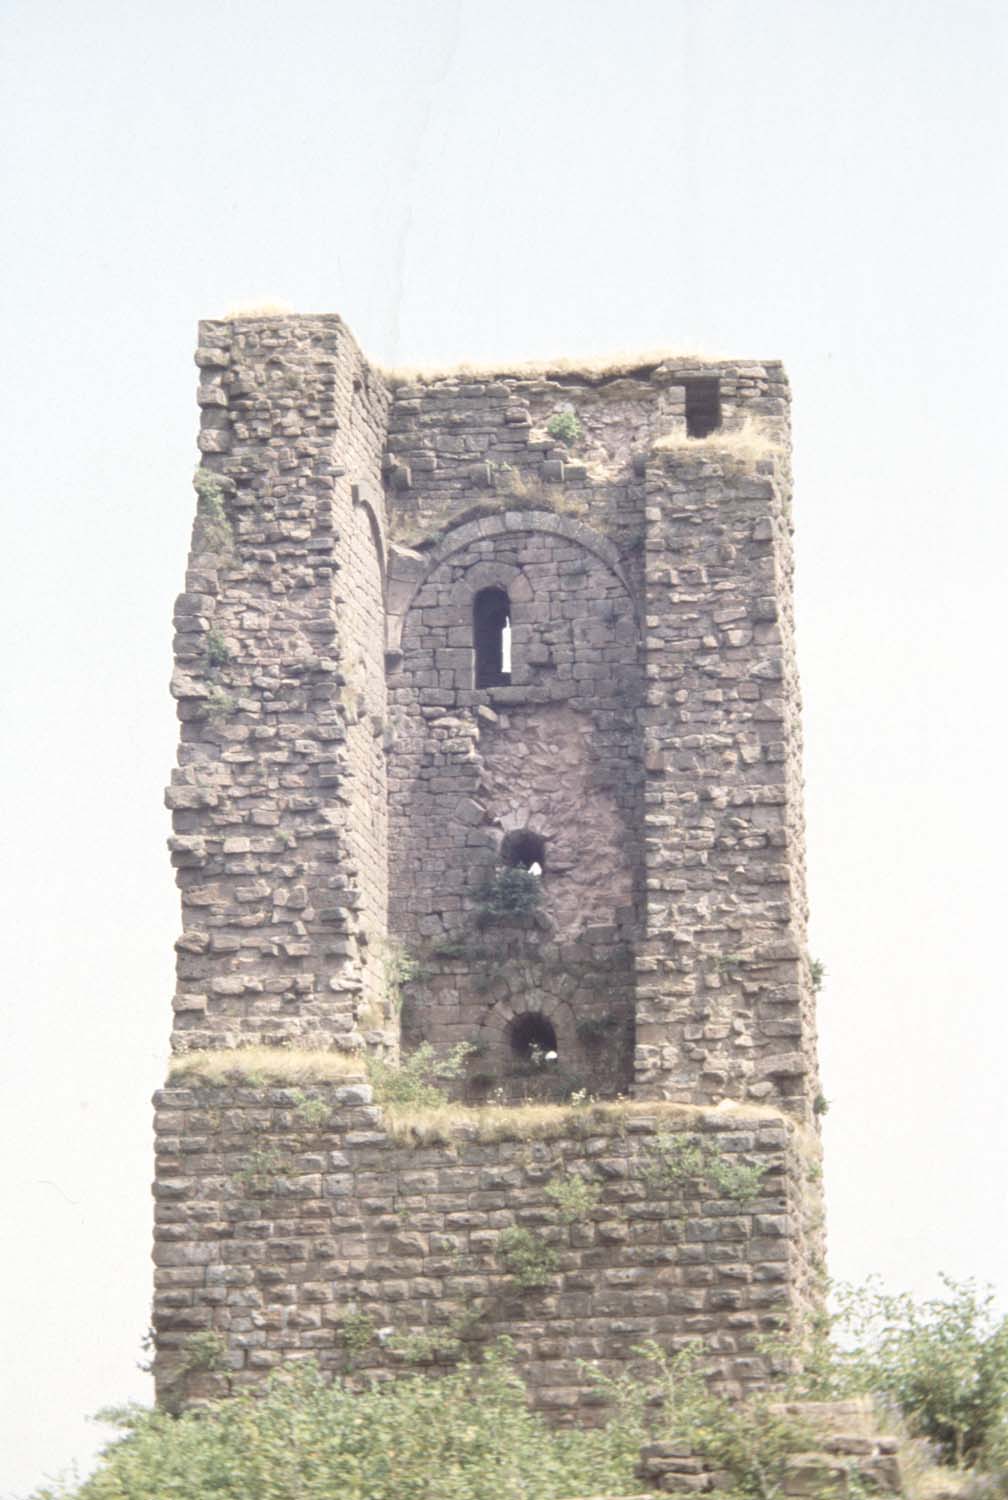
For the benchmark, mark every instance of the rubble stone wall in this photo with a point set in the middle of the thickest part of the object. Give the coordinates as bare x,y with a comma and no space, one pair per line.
341,807
278,638
725,1000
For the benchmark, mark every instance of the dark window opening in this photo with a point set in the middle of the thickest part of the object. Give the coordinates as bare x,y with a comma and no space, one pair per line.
703,407
492,638
533,1038
524,850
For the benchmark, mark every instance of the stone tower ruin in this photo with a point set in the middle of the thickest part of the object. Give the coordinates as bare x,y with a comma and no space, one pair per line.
490,740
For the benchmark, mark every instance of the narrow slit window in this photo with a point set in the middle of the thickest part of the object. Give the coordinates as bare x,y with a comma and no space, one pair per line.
492,638
703,407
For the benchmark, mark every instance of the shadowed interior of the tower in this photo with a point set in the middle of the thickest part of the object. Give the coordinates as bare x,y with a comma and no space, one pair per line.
490,742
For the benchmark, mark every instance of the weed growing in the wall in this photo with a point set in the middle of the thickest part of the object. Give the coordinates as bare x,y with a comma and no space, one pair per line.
219,703
564,426
355,1331
820,1105
217,653
214,533
399,968
310,1110
528,1260
414,1081
676,1160
435,1345
205,1350
817,971
574,1197
263,1172
511,895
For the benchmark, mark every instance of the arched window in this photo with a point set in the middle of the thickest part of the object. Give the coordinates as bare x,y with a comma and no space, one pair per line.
533,1039
492,638
524,850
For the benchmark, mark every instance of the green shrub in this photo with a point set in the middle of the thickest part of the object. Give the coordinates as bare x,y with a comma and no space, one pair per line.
464,1435
310,1109
528,1260
675,1160
564,426
217,651
942,1362
413,1081
575,1197
512,895
204,1351
213,532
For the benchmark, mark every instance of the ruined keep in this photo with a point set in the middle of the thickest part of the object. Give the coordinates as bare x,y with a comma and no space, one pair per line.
490,735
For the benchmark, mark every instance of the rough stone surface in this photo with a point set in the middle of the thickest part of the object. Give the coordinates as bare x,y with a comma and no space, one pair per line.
345,793
287,1237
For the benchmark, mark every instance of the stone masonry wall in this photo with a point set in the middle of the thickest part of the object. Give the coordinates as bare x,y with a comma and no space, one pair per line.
724,991
556,753
278,654
341,809
291,1236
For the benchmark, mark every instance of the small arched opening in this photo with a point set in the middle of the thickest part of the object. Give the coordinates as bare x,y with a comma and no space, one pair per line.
492,638
524,850
533,1040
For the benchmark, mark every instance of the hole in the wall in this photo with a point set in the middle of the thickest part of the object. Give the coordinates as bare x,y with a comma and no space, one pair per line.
492,638
703,406
524,850
532,1038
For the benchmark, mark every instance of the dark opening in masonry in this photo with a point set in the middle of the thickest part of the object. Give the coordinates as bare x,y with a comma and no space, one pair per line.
533,1038
703,407
524,850
492,638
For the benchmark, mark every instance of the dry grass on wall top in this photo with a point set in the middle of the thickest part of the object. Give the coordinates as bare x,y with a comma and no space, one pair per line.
254,1065
595,368
442,1124
747,443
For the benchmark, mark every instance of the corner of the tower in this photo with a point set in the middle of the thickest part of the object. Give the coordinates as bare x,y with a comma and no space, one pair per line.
278,802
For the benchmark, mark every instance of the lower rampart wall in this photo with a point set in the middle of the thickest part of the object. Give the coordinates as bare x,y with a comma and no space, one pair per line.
299,1223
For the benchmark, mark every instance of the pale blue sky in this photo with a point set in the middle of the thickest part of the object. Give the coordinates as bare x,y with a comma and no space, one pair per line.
819,180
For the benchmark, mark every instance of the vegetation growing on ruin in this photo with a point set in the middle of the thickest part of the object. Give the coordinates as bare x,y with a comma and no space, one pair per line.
545,1122
213,529
942,1366
746,443
261,1065
564,426
677,1160
526,1257
513,894
416,1080
574,1197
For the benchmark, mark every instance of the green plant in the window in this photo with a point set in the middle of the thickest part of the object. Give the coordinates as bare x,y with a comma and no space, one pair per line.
564,426
528,1260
